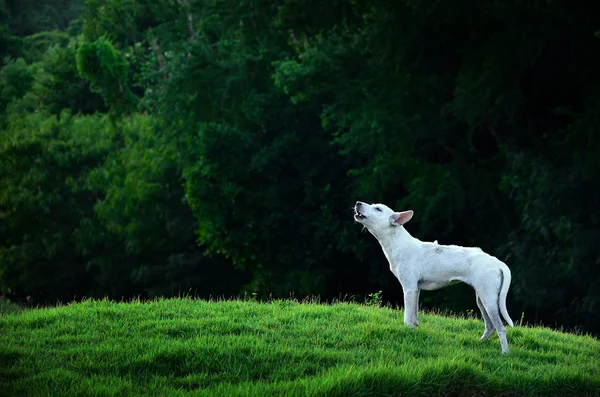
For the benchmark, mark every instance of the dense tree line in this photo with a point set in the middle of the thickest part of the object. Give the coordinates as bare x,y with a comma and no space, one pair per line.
216,148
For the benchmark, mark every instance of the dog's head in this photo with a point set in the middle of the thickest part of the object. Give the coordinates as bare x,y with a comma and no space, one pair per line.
378,218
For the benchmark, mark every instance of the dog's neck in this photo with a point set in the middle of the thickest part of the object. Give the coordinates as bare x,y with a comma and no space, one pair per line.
395,236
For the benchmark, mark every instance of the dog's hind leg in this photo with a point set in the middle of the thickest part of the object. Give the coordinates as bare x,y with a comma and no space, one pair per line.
489,327
490,304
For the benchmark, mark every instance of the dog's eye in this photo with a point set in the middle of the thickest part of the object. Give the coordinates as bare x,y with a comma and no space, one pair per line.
378,209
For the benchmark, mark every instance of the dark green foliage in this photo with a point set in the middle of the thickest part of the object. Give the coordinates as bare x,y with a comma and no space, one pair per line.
556,240
91,208
143,209
44,161
28,17
16,79
51,83
10,45
262,175
107,70
59,85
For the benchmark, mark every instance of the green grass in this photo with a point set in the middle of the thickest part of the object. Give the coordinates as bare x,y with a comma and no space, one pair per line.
283,348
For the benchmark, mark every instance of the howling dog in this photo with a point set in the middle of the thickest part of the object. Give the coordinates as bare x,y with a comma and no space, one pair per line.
420,265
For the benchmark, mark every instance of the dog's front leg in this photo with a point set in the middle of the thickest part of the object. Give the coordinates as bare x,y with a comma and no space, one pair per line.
416,309
411,304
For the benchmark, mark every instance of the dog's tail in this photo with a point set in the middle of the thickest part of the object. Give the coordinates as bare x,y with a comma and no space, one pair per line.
506,277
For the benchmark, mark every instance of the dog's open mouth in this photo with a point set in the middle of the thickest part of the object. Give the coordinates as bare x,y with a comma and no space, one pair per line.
358,216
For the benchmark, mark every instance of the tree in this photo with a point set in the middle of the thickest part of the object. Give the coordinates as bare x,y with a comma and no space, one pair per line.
107,71
262,179
44,206
143,207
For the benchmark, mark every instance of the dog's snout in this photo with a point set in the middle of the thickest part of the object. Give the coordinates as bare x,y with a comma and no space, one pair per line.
358,215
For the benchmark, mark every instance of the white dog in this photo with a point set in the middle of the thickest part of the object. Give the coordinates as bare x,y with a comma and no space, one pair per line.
428,266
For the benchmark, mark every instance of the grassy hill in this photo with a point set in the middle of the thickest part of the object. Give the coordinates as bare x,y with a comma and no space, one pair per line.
175,347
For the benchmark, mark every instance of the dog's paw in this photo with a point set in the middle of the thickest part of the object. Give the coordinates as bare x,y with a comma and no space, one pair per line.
486,335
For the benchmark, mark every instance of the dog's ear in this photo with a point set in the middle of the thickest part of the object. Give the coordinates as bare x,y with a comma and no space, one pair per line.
400,218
